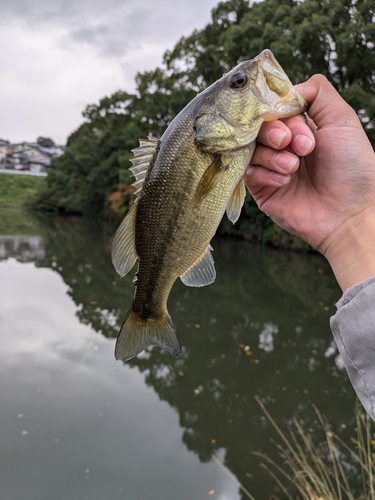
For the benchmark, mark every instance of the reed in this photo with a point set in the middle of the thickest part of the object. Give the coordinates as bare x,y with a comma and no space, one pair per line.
311,471
317,471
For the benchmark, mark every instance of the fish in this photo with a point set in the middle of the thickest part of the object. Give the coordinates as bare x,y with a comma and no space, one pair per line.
185,182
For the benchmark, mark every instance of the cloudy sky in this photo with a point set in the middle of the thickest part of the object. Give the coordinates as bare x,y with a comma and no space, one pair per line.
57,56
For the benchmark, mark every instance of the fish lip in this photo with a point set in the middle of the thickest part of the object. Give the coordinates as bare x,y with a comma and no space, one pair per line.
302,101
267,61
298,101
294,105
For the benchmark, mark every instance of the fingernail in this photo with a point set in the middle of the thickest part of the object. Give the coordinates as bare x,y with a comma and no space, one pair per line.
279,178
286,161
302,144
276,135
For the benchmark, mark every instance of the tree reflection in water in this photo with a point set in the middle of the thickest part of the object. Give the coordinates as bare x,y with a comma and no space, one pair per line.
261,329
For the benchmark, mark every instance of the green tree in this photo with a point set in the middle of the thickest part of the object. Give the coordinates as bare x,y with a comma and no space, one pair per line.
332,37
46,142
98,152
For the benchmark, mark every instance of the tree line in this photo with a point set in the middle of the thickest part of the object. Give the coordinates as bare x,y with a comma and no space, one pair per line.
332,37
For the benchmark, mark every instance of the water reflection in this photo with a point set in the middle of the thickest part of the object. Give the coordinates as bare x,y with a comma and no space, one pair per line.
22,248
75,424
262,328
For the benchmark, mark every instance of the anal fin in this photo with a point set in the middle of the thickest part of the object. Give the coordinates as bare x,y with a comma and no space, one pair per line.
202,272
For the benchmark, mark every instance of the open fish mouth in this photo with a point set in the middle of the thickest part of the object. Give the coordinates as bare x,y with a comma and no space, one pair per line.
272,77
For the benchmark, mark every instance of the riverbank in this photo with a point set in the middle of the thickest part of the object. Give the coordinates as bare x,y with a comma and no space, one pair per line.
17,190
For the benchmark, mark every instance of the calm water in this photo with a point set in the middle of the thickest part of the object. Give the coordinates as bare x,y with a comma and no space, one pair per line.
76,424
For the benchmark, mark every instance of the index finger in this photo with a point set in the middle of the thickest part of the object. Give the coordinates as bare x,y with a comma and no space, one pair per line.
327,107
303,139
275,134
293,132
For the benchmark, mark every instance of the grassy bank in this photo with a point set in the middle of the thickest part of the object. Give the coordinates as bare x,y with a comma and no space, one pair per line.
16,190
19,191
15,221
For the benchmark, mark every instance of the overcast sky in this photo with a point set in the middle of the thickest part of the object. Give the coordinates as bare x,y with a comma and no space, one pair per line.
57,56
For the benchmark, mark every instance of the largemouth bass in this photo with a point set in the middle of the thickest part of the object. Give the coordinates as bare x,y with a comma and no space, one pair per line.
185,181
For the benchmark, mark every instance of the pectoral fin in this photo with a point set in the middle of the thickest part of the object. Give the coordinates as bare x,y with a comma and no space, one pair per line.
202,272
124,253
209,180
236,202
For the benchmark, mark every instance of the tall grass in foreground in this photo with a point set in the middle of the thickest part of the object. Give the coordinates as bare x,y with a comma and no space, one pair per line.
317,472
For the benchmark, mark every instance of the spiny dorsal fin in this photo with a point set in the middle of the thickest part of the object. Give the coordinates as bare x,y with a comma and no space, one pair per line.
143,158
236,201
210,178
202,272
124,253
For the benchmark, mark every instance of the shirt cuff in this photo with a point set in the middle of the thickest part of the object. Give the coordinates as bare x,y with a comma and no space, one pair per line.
353,327
351,292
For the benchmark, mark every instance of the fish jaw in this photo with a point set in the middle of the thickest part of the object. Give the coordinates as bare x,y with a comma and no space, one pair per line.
230,112
274,87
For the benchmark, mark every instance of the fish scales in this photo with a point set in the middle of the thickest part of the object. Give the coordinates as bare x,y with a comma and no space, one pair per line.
171,244
192,175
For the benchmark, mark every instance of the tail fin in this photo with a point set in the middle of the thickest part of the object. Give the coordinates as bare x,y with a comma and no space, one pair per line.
136,334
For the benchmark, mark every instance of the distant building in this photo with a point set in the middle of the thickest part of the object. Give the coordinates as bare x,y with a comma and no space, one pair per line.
3,151
27,156
22,248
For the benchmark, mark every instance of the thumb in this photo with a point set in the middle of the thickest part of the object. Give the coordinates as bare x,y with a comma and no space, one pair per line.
327,107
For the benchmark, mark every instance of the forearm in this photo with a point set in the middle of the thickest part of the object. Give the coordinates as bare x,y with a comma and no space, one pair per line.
351,253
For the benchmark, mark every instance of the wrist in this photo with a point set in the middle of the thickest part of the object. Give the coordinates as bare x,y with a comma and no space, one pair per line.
351,250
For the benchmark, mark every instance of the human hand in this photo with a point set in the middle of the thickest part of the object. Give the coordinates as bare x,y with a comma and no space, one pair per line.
322,188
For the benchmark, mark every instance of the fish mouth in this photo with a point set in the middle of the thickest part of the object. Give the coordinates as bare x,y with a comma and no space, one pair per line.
286,101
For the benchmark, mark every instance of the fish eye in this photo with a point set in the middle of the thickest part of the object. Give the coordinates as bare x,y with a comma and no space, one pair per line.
238,80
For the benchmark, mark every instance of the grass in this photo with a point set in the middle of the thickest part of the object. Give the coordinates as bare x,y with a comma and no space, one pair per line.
310,471
14,221
16,190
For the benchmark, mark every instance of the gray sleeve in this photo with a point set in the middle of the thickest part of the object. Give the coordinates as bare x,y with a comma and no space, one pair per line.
353,327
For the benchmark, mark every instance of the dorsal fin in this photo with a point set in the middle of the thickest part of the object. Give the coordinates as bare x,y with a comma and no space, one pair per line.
143,158
236,201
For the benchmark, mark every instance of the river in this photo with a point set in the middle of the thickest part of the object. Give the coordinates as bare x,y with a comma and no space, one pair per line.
77,424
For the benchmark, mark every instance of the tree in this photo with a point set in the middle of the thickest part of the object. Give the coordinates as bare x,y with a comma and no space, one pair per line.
46,142
97,155
332,37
